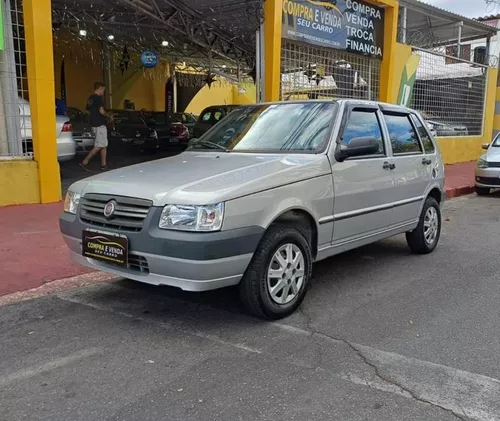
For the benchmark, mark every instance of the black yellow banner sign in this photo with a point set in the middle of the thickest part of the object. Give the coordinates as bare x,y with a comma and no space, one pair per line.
350,25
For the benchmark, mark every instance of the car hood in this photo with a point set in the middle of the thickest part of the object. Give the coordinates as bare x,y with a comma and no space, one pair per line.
198,178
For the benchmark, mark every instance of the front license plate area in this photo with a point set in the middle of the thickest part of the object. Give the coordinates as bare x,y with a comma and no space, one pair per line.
105,247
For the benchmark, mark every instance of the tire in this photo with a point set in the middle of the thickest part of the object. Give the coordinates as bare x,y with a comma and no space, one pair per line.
255,287
482,191
416,239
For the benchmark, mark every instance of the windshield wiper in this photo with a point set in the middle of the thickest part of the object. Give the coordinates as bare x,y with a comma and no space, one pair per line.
212,144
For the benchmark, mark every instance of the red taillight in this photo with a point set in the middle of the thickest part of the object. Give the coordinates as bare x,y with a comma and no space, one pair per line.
67,127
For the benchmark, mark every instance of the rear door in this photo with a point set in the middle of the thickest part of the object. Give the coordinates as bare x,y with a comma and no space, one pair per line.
364,186
411,176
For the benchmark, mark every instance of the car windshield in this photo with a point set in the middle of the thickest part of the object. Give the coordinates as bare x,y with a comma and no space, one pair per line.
496,141
272,127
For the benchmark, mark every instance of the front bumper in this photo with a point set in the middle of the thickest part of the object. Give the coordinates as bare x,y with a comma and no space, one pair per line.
190,261
487,177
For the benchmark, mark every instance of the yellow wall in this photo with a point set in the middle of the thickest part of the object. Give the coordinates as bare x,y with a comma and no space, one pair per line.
141,86
19,182
80,71
83,67
220,93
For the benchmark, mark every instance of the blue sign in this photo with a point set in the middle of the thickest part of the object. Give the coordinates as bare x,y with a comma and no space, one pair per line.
350,25
149,59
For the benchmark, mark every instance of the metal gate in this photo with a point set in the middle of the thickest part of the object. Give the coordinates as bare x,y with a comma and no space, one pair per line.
311,72
450,92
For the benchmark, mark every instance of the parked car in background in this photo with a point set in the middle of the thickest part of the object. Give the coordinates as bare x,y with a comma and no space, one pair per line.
82,132
488,168
258,199
210,116
187,119
448,129
148,130
66,146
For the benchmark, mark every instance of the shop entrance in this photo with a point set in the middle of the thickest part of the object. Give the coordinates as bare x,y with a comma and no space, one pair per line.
311,72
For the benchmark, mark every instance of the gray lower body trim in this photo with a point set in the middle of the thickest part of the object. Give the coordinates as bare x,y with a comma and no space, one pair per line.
175,244
189,275
372,237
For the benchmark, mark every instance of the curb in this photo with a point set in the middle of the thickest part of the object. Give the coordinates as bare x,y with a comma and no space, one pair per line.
53,287
459,191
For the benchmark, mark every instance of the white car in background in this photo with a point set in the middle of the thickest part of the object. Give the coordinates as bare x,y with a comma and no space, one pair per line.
66,145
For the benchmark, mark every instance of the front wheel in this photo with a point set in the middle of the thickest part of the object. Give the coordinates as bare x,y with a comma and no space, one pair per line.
482,191
424,239
276,280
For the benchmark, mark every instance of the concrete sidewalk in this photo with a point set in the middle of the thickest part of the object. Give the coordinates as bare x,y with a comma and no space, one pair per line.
33,253
459,179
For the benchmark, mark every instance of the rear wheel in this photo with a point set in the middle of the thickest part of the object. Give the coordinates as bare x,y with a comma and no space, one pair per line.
425,238
276,280
482,191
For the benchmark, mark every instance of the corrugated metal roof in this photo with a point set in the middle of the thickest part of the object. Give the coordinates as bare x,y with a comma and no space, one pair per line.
446,14
490,17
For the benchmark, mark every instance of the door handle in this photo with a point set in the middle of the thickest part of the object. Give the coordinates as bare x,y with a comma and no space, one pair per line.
389,166
426,161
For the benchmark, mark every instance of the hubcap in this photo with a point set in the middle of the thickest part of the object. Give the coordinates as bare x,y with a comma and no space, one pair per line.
431,226
285,275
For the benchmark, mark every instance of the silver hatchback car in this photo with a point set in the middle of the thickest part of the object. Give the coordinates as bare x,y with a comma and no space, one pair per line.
262,195
488,168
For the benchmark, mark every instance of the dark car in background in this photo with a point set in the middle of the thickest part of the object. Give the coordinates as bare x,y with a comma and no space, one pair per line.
148,130
210,116
82,131
189,120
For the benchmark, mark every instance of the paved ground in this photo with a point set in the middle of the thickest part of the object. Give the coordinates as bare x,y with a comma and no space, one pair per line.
382,335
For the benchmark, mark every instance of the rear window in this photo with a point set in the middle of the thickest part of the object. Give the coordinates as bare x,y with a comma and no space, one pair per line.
206,116
424,135
403,136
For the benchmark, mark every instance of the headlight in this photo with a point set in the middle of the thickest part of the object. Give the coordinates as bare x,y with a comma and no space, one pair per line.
192,218
71,202
481,163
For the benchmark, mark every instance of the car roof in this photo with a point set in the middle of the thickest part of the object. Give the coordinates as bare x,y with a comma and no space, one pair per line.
348,101
211,107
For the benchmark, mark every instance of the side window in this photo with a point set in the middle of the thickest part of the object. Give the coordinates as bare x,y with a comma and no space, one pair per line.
206,116
403,137
217,116
364,124
424,135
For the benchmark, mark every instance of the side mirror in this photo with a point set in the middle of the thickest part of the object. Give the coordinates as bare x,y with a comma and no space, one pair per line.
358,146
191,141
485,146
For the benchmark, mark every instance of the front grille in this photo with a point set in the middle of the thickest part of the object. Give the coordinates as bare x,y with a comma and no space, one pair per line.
488,181
129,214
494,164
138,264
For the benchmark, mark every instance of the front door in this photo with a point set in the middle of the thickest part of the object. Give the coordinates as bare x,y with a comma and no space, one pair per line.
412,171
364,186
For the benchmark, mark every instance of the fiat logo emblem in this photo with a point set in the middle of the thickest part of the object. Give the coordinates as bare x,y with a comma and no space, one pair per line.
109,209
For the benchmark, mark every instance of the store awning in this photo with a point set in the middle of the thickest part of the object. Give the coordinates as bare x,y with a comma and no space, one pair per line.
430,26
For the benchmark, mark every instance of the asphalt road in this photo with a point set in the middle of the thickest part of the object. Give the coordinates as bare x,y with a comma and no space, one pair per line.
382,335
